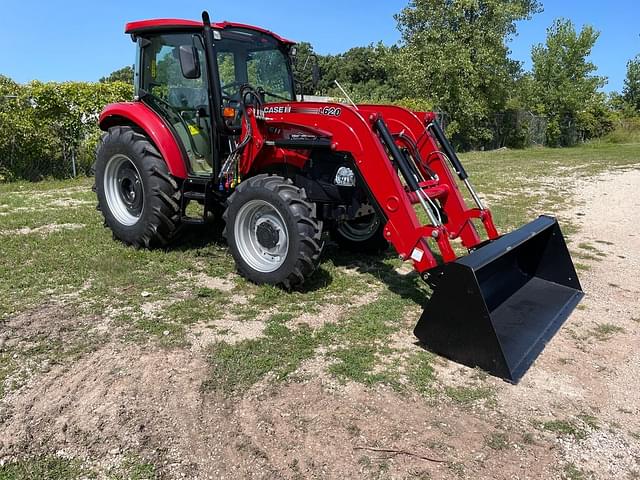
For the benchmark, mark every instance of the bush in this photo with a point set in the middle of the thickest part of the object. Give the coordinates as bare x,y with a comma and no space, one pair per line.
44,125
626,130
596,120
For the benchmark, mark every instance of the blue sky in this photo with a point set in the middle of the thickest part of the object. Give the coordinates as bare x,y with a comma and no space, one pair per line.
84,40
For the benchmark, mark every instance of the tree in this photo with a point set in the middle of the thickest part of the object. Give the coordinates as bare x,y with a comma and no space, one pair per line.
125,74
368,73
631,90
455,54
563,80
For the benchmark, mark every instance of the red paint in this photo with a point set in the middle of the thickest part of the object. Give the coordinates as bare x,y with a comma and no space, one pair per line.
155,128
177,24
352,131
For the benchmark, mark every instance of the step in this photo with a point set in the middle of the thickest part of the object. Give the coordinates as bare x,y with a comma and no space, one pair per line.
194,195
192,221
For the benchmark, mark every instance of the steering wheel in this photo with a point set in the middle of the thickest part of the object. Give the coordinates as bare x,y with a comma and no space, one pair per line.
230,85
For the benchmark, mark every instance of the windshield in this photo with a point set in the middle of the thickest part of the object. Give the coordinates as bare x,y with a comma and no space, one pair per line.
247,56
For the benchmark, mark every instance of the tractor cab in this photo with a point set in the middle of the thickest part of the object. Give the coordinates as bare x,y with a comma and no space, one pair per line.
195,87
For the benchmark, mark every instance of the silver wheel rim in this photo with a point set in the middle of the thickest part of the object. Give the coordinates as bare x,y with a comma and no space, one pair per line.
254,219
123,190
359,230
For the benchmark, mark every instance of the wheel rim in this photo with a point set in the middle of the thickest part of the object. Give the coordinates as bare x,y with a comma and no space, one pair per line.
123,190
359,229
261,236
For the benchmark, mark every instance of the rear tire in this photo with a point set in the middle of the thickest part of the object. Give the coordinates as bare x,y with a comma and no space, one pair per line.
137,196
363,235
272,231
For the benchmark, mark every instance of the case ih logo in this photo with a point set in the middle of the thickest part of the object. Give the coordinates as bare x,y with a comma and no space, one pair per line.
328,110
284,109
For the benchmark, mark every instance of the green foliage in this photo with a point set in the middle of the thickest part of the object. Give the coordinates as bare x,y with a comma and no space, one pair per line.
563,86
367,73
421,373
597,118
455,54
469,395
43,124
627,130
571,472
631,90
453,58
124,74
498,441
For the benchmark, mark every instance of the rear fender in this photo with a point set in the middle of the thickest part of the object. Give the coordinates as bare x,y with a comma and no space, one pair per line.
140,115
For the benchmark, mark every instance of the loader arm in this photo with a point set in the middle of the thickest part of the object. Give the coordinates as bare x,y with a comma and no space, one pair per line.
357,132
495,308
352,133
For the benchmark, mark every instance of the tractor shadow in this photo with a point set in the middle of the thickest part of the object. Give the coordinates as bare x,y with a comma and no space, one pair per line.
193,237
408,285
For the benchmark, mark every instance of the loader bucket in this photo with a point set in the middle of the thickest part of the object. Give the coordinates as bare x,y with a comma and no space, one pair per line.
498,307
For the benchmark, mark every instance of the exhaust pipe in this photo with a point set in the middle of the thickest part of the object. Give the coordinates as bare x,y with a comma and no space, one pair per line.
497,308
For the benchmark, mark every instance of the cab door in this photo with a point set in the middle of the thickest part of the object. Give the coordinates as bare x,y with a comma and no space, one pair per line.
183,102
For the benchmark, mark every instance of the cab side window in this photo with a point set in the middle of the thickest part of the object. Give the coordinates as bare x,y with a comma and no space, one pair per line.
162,75
182,102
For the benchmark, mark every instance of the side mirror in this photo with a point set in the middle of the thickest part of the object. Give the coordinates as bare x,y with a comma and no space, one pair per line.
189,63
315,73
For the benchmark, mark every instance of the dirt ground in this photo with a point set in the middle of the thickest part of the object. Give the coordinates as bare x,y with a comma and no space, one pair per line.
576,413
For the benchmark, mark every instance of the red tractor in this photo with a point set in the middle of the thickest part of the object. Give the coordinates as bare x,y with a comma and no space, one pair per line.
216,120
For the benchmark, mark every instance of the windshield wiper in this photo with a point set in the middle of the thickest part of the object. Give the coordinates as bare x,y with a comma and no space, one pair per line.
262,91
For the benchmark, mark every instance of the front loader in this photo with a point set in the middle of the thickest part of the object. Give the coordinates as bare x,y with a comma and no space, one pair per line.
216,121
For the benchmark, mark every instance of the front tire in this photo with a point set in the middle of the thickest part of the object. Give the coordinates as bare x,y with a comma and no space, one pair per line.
272,231
138,198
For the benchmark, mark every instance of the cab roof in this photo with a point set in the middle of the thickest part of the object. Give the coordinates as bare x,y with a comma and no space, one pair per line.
161,24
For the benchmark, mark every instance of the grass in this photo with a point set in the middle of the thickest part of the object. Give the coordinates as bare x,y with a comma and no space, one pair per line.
590,421
58,468
571,472
421,373
133,468
8,367
497,441
45,468
470,395
512,178
528,438
604,331
577,428
100,276
281,351
564,427
236,367
627,131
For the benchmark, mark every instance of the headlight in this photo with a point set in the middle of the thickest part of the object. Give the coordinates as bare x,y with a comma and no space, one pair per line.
345,177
